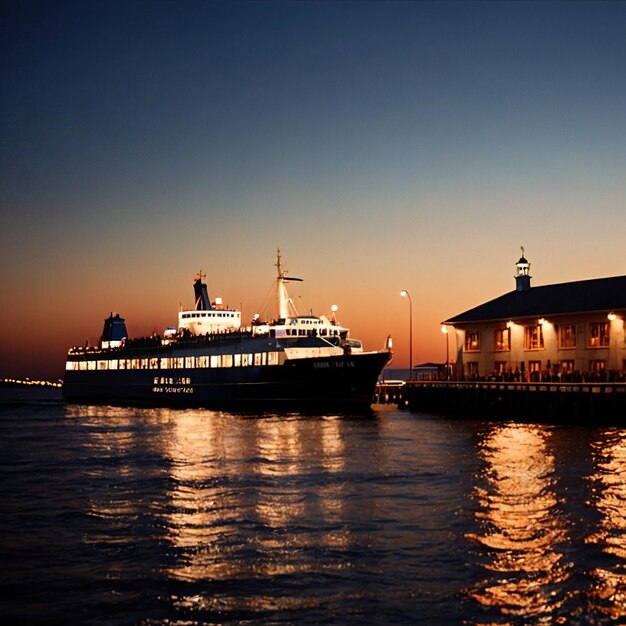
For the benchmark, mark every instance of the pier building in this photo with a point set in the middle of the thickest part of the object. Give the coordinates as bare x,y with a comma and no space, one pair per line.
570,331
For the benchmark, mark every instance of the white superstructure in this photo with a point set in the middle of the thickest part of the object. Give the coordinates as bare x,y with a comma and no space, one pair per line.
328,338
214,321
206,316
305,336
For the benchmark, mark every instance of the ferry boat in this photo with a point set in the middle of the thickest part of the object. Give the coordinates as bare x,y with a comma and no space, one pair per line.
210,360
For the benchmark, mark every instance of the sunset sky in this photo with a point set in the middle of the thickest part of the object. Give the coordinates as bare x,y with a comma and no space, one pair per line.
382,146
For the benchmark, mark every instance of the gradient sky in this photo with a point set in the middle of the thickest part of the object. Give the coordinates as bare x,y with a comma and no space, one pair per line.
381,146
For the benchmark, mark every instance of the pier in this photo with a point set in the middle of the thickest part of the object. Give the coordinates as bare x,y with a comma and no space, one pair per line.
580,402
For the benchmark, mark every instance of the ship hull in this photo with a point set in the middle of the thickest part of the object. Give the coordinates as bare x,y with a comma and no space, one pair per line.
345,382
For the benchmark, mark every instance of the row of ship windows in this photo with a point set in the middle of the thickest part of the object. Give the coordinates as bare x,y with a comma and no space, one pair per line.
211,314
303,332
187,362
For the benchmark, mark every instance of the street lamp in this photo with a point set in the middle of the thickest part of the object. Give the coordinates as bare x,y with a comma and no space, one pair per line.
405,294
444,330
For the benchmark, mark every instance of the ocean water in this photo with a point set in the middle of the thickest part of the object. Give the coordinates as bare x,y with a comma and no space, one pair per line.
158,516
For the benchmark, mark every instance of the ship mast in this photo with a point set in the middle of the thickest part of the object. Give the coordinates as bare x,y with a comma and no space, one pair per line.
285,303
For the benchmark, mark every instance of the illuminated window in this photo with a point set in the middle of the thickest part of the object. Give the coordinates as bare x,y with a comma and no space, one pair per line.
215,360
113,364
534,367
533,337
257,358
472,369
567,366
227,360
237,360
272,358
597,366
567,335
500,367
189,362
102,365
502,340
472,341
599,334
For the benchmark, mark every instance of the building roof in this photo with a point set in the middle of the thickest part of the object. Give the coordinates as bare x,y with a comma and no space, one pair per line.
583,296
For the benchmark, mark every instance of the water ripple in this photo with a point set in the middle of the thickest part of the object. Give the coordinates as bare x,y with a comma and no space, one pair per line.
152,516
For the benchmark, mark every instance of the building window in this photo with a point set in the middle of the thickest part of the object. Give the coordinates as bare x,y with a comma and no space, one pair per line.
567,336
500,367
533,337
597,366
502,340
599,334
472,341
567,366
534,370
472,369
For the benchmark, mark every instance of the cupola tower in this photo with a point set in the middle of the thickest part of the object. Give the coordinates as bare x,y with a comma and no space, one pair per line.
522,278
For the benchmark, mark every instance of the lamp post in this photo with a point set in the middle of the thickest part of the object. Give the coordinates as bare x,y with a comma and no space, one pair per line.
405,294
444,330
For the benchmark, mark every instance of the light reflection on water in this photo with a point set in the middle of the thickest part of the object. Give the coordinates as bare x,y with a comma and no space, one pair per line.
153,515
227,526
521,530
609,499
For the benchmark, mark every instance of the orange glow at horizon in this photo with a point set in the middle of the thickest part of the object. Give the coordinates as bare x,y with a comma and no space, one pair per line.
52,315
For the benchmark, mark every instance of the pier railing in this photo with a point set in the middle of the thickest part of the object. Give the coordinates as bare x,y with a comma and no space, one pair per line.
528,399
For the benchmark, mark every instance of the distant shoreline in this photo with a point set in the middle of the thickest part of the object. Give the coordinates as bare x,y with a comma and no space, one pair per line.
11,383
